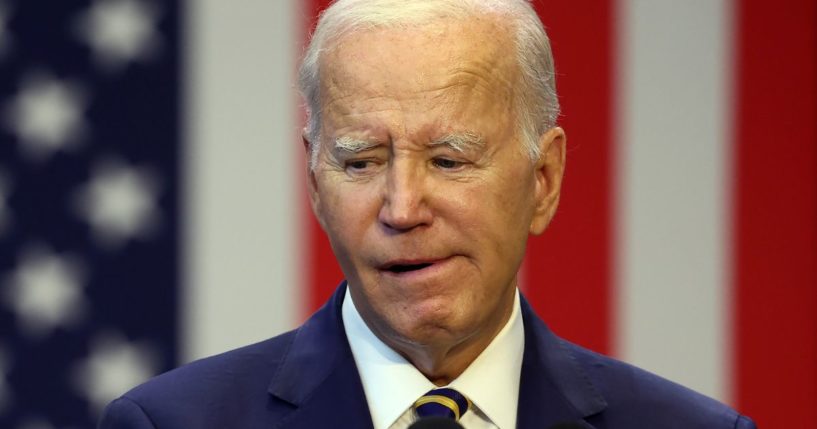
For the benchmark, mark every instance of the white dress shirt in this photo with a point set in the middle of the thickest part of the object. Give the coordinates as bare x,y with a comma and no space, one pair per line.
392,384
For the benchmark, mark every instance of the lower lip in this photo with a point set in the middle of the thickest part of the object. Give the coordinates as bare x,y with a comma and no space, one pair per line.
435,268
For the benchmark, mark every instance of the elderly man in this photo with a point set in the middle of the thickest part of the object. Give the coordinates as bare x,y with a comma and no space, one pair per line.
433,156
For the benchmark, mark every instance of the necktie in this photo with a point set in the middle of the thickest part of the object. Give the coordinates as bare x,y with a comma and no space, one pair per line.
443,402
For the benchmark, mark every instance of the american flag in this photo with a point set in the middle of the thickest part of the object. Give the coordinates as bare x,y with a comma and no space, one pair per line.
89,161
152,207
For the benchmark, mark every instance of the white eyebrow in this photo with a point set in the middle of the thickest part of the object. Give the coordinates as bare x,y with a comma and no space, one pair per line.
460,142
349,144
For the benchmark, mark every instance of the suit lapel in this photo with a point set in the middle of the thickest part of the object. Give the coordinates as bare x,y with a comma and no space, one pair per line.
318,375
553,387
319,379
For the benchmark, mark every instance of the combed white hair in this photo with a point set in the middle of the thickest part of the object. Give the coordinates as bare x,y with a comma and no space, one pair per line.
537,105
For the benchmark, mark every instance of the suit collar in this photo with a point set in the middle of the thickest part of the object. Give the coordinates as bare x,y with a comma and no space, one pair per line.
318,374
553,387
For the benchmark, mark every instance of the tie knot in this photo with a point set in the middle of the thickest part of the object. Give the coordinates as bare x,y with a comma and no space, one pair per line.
442,402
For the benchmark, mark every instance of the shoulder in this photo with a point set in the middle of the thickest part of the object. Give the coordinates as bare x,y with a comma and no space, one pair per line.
638,398
228,384
247,368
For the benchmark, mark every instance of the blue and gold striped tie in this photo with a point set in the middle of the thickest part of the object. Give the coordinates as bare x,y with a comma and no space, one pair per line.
442,402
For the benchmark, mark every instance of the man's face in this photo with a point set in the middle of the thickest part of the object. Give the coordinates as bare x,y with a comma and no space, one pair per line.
422,183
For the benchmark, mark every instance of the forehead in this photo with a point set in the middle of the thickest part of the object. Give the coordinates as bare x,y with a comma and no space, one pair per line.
444,61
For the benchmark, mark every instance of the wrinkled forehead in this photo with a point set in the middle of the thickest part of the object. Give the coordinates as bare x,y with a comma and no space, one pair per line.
478,53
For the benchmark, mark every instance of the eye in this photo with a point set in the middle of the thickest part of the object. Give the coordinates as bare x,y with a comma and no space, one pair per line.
446,163
359,164
361,167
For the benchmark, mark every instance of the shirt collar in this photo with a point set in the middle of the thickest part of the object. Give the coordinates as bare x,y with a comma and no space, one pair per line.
392,384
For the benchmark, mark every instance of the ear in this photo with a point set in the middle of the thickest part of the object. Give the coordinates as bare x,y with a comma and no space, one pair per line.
549,170
311,180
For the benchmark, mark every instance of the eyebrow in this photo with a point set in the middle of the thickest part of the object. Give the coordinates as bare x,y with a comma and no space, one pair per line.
460,142
349,144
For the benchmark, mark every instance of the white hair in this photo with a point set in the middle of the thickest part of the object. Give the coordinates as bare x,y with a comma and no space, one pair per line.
537,105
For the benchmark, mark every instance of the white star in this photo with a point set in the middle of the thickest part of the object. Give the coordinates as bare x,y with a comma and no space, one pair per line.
35,423
113,367
119,203
120,31
45,292
46,115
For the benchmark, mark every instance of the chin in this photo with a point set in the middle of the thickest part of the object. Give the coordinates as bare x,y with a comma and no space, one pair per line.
432,330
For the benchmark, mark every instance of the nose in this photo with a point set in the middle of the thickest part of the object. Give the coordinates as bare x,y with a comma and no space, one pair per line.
405,202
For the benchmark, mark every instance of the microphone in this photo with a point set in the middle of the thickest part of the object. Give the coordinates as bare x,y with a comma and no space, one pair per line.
435,423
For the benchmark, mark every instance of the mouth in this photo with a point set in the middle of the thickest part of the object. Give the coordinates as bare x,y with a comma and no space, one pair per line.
408,266
405,268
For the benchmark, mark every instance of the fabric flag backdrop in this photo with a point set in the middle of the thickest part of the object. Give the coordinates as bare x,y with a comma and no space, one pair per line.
90,137
152,207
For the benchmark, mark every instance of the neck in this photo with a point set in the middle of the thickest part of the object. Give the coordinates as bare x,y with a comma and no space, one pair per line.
443,362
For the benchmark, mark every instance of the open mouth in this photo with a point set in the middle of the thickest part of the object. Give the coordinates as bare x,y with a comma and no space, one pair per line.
404,268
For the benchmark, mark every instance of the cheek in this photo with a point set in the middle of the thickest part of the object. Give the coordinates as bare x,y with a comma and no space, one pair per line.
503,212
516,196
513,190
348,210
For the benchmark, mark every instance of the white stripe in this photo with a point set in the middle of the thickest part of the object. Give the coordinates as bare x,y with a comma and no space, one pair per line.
673,170
241,278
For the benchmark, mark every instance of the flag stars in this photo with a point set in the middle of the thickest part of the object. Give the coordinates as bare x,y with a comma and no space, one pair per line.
35,423
45,292
120,31
46,115
113,367
119,203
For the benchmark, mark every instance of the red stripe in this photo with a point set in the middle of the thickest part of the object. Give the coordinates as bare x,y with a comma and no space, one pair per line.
322,271
775,357
568,271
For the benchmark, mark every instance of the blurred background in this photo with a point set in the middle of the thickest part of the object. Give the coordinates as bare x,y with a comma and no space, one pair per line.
152,208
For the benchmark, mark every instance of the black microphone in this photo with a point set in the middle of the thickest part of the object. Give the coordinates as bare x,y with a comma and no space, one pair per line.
435,423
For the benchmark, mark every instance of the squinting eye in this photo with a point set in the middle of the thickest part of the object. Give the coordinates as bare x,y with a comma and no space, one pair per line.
446,163
361,166
358,165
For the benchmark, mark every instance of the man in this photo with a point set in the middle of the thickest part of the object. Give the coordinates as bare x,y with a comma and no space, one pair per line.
433,155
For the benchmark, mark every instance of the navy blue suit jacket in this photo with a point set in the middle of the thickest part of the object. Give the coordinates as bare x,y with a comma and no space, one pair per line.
307,378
